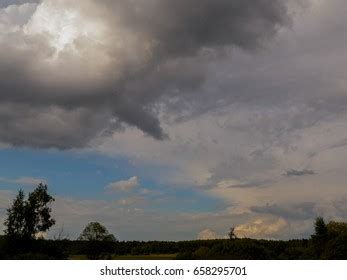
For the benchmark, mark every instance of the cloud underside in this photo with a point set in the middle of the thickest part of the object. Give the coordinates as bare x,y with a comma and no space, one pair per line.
72,71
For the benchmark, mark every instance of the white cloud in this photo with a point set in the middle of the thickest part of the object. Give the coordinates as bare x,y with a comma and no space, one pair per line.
24,181
208,234
14,16
124,186
267,228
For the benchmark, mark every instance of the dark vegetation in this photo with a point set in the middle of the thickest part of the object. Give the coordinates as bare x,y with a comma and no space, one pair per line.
27,218
245,249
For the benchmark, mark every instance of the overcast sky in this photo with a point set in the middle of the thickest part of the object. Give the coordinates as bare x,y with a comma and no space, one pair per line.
176,119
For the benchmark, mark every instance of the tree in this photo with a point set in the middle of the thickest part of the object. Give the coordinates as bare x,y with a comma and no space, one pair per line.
26,218
321,229
15,221
96,232
232,234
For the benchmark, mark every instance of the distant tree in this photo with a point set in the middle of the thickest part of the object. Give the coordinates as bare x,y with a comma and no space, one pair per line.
26,218
232,234
96,232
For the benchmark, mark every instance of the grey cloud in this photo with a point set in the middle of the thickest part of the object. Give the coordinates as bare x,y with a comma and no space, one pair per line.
239,167
304,172
40,127
253,184
183,27
331,210
300,211
154,54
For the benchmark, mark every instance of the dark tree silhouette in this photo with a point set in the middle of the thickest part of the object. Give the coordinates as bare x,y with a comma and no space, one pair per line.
96,232
15,221
26,218
232,234
320,228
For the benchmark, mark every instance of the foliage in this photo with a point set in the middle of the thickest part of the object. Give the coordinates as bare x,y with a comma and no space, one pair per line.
96,232
321,229
26,218
16,217
336,248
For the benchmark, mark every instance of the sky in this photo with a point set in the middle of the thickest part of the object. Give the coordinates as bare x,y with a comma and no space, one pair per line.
176,119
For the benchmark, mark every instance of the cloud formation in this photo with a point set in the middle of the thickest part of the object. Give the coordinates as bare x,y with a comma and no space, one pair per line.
124,186
268,228
75,70
208,234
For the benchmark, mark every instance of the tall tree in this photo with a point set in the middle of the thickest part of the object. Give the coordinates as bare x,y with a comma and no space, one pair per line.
26,218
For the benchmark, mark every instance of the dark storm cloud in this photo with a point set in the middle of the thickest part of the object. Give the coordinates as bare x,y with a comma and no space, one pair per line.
298,173
69,106
39,127
183,27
